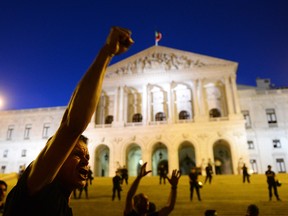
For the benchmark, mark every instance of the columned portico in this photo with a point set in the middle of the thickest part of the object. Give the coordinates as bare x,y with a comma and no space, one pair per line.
170,107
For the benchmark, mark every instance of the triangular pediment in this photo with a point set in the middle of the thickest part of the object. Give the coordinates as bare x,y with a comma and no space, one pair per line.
162,59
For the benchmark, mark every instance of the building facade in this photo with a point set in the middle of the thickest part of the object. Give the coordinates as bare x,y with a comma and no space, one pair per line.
166,107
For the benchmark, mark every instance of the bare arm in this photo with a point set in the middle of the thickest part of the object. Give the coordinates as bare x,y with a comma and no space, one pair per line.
133,189
78,114
173,194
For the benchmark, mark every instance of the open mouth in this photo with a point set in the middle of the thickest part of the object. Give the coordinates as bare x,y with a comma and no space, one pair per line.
83,173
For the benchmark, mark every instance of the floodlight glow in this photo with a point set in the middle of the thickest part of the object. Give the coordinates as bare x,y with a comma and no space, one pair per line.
1,102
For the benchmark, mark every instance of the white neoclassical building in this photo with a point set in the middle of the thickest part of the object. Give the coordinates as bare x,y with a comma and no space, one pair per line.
166,107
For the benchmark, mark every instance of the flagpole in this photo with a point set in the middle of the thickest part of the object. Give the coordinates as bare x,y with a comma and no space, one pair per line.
158,37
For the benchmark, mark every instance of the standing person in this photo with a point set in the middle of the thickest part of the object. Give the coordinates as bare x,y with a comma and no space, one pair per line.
85,188
3,191
124,174
116,186
209,173
90,175
194,184
246,175
162,174
138,205
271,183
62,165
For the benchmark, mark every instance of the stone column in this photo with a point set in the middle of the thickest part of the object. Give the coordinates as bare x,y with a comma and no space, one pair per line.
229,98
195,100
144,104
148,104
202,105
173,158
121,105
170,102
116,104
235,94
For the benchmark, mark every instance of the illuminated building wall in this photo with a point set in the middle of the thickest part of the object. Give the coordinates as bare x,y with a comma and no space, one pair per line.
167,107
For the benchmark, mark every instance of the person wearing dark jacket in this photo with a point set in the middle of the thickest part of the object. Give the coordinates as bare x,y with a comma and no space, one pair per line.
194,183
62,165
271,183
116,180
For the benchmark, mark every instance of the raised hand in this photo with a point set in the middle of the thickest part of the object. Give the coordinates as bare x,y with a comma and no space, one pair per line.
143,171
119,40
174,178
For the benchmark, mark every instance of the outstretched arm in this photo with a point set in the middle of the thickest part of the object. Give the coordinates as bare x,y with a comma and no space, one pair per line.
78,114
173,194
133,189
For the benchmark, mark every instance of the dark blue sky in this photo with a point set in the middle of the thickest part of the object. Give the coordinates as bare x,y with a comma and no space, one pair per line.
46,46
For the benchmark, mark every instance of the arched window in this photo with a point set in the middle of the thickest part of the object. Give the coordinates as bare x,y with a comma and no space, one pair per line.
184,115
160,116
137,117
109,119
214,113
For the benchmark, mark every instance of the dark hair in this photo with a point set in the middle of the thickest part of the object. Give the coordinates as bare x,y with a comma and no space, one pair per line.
83,138
210,212
3,183
253,210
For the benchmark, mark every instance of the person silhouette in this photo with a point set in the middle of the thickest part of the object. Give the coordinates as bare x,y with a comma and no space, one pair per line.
62,165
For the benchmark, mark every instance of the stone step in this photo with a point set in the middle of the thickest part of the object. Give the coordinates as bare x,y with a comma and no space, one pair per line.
227,194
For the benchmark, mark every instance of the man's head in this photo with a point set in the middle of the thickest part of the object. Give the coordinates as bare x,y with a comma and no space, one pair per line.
3,190
141,203
210,212
74,172
252,210
269,167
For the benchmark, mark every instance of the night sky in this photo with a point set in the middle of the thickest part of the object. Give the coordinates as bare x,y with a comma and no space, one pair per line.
46,46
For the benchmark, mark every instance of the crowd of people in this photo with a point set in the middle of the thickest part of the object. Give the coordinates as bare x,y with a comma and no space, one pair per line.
62,167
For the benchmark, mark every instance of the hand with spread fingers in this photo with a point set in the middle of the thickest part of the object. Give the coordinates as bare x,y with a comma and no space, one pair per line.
174,178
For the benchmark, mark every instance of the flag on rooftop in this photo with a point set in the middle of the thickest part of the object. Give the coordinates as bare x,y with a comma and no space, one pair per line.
158,37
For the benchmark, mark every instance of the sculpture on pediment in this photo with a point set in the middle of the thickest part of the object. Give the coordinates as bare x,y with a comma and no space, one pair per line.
157,60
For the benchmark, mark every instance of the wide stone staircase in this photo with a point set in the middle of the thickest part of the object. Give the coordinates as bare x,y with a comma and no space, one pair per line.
227,194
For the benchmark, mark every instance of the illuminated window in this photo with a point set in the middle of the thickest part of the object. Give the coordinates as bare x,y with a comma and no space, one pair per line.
23,153
5,153
276,143
247,118
250,144
280,165
214,113
137,117
271,117
184,115
3,169
109,119
253,164
46,130
160,116
10,132
27,131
